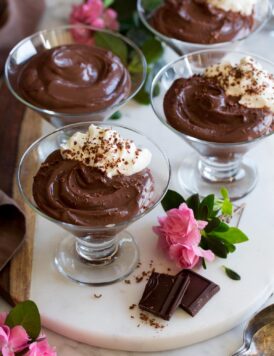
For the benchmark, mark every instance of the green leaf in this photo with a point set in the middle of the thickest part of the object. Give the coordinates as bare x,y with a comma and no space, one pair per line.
209,203
233,235
232,274
224,204
107,3
150,5
222,227
204,263
203,213
116,116
143,97
193,202
214,212
172,200
156,90
124,12
230,247
224,193
227,208
27,315
217,246
152,50
203,243
212,224
113,44
139,35
135,65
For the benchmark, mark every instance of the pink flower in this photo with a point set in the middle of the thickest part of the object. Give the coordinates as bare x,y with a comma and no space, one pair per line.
92,13
179,233
110,18
3,317
13,340
41,348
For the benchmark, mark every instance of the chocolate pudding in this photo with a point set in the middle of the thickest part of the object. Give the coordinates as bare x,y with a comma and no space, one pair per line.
74,78
227,104
85,186
198,21
72,192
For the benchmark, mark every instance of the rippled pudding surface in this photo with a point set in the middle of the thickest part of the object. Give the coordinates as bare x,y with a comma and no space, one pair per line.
199,107
70,191
197,21
74,78
96,178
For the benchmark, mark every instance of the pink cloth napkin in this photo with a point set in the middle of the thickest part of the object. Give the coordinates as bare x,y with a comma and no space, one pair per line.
23,17
12,229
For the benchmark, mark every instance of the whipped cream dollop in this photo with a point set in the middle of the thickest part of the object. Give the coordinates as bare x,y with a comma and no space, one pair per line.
245,7
247,80
106,150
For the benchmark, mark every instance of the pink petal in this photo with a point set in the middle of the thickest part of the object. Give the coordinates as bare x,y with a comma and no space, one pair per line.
82,35
110,17
183,255
3,317
110,14
207,254
41,348
201,224
18,338
4,335
93,9
188,259
6,351
193,237
179,226
98,23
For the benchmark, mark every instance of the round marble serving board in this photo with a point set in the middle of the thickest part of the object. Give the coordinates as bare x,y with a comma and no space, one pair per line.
74,311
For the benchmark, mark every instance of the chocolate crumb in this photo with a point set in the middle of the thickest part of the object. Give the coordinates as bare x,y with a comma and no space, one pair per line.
139,279
150,321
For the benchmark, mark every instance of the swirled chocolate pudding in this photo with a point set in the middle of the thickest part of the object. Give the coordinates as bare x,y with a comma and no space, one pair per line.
96,179
204,21
225,104
74,78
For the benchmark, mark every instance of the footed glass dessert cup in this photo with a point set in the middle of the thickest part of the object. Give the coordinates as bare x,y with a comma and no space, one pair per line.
213,165
94,255
263,12
119,45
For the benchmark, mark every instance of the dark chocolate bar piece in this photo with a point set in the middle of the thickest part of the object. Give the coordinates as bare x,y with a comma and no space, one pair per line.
198,293
163,294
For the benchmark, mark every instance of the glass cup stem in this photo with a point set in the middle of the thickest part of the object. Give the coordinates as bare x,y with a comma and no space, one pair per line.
97,252
215,170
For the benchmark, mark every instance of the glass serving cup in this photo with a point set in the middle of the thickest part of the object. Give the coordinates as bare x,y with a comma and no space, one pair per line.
217,164
94,254
48,39
263,12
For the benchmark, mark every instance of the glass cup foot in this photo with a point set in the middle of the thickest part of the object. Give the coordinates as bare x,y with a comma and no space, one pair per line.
80,270
239,184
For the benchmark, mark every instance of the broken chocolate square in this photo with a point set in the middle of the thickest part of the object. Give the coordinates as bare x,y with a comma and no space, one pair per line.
163,294
198,293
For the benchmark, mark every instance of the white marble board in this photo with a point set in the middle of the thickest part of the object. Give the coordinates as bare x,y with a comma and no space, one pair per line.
73,311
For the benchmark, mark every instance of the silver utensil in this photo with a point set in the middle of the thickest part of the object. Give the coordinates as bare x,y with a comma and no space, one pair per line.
259,321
